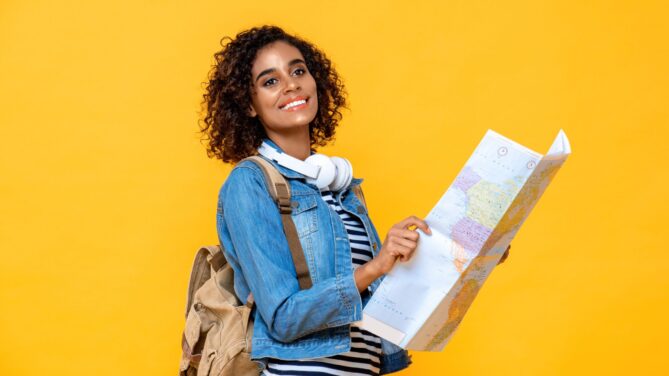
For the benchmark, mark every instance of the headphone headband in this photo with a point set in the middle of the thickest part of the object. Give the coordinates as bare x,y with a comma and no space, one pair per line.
306,169
326,173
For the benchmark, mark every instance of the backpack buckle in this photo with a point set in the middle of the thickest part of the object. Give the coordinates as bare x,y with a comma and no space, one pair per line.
285,206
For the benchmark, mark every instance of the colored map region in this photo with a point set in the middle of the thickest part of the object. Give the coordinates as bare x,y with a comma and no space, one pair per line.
420,304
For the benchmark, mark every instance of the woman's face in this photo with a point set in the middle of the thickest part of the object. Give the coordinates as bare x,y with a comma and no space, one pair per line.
283,93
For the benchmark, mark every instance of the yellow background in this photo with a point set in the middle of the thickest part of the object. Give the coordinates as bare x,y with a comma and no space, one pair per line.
106,191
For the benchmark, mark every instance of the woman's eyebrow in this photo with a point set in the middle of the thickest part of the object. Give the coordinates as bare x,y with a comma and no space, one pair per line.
270,70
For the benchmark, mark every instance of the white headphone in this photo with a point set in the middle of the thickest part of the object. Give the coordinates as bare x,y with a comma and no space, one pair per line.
327,173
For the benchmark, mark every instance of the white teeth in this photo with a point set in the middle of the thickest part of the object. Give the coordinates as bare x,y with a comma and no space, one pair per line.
293,104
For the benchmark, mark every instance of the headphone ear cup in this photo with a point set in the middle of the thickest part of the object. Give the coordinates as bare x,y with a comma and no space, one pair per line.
327,172
344,174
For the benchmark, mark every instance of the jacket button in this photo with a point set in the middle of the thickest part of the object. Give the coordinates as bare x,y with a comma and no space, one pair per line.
294,204
361,209
375,246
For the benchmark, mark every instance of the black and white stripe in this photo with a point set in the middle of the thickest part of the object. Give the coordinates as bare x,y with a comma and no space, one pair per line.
361,250
364,356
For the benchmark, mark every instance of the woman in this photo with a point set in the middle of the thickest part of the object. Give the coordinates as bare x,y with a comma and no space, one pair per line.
268,86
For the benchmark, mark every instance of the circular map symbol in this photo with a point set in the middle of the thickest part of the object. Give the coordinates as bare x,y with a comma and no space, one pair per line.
502,151
531,164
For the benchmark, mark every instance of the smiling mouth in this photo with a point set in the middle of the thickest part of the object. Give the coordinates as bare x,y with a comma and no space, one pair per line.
295,104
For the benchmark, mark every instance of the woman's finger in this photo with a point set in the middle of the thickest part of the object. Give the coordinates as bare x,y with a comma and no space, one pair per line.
404,233
403,253
415,221
409,243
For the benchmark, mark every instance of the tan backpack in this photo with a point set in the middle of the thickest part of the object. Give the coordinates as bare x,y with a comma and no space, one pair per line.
217,335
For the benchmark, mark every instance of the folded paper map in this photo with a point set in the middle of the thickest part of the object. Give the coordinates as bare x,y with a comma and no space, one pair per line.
420,304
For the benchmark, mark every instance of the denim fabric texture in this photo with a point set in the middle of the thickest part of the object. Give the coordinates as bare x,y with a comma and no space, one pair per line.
290,323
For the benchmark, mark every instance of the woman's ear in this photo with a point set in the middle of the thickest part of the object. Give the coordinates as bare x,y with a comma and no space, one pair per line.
252,111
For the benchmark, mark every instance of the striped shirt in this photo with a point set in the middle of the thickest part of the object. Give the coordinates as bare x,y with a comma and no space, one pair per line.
364,356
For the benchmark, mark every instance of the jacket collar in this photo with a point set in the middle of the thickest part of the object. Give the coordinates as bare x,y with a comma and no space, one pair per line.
288,173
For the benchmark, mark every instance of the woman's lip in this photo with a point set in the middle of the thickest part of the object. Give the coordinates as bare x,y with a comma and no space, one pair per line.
298,107
297,98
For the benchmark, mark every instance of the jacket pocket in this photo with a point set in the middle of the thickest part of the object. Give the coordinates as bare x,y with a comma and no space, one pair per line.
304,213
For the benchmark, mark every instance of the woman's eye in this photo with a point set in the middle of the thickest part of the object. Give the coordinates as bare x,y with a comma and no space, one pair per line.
296,72
271,81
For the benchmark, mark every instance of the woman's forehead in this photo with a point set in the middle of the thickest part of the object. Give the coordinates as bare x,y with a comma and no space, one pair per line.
275,55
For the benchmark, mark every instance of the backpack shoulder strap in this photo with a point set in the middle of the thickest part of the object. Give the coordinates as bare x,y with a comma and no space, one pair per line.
279,189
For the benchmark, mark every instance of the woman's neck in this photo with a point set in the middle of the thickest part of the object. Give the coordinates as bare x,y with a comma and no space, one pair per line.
296,144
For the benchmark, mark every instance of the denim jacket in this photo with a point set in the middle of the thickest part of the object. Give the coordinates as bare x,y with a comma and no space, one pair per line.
290,323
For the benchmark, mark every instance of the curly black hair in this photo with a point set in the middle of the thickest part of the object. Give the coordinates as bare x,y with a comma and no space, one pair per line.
232,134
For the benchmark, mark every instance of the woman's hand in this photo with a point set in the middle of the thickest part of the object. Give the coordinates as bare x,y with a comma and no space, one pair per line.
400,244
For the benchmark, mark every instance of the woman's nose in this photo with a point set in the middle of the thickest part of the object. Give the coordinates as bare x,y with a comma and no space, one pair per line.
292,84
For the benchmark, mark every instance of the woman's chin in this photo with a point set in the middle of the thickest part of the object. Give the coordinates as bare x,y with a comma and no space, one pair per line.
288,128
298,122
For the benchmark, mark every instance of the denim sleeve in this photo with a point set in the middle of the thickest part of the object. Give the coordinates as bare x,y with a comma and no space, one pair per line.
375,233
254,224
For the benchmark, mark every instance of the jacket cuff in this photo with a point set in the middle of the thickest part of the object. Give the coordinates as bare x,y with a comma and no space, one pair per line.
350,297
395,362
